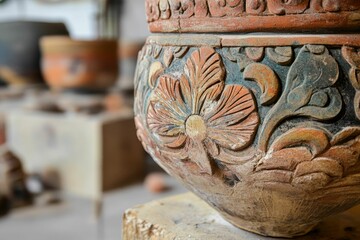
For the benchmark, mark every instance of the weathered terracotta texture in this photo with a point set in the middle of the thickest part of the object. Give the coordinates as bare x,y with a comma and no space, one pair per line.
252,15
75,64
267,135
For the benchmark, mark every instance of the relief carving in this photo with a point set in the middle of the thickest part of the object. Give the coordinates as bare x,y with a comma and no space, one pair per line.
352,56
221,8
175,9
196,115
281,7
268,121
303,160
306,93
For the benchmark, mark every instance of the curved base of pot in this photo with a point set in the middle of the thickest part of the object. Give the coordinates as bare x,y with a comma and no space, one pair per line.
271,229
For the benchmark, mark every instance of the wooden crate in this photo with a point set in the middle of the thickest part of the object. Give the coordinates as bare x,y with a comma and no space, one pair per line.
91,153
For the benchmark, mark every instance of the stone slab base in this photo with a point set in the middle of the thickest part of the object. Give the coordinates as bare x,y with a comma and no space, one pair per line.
187,217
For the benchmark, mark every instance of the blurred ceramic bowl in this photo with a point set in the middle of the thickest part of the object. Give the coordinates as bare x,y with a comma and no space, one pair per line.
79,64
20,51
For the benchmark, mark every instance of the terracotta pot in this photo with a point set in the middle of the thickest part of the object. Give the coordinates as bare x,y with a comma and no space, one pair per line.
263,127
75,64
20,50
266,129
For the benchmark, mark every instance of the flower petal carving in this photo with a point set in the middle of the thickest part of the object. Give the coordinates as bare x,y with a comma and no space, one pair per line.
233,122
164,117
156,69
205,74
196,115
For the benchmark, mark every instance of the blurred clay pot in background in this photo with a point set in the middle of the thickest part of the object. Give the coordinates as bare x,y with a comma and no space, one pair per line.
77,64
20,51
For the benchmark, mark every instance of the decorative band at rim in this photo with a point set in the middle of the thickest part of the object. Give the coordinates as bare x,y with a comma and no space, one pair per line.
270,40
252,15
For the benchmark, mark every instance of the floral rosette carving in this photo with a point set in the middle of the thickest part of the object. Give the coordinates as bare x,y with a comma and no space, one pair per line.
195,115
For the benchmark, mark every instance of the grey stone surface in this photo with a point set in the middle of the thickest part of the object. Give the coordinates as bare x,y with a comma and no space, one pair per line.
74,218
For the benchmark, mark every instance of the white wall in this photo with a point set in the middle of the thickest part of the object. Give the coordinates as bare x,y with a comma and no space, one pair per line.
133,21
78,15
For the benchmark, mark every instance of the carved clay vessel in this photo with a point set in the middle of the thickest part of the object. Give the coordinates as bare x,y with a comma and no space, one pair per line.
79,64
264,128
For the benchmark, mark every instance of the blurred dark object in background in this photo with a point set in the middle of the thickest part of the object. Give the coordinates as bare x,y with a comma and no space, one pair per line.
20,51
5,206
12,179
75,64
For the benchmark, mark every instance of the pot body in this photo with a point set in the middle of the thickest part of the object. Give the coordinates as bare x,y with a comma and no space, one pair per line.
74,64
266,129
20,50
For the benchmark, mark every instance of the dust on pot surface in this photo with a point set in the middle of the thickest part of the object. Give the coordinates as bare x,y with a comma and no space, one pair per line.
266,129
253,15
20,50
79,64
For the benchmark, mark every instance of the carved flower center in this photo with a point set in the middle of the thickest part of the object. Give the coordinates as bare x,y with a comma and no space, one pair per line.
195,127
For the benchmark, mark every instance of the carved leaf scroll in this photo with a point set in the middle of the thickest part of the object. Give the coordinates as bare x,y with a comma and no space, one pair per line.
305,91
280,55
173,52
267,80
309,159
352,56
255,53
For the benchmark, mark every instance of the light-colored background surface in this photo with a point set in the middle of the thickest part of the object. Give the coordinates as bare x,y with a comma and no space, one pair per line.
74,218
78,15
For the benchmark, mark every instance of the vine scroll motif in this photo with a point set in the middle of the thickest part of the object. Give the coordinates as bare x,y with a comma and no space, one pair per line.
308,91
352,56
175,9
